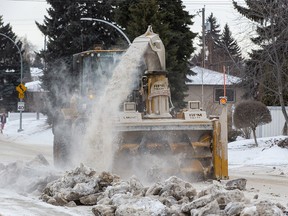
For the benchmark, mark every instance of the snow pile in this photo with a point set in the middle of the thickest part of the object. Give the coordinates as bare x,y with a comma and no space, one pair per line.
27,177
109,195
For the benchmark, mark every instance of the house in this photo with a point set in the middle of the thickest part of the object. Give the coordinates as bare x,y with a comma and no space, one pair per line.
35,94
208,86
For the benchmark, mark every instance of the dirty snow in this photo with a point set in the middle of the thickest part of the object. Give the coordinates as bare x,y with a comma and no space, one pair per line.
265,168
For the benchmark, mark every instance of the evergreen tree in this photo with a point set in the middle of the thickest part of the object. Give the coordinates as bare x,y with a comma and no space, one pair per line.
212,40
231,52
67,35
10,67
212,45
141,15
37,62
171,22
267,67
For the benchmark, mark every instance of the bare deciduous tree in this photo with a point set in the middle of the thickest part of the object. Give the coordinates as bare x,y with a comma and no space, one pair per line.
267,67
29,54
251,114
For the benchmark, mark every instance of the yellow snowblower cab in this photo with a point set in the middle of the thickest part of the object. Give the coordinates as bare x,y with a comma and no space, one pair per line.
94,68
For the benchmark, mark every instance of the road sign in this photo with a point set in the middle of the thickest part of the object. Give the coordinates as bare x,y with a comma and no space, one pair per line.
21,88
21,95
21,106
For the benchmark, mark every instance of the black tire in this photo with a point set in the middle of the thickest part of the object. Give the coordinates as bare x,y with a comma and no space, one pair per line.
61,142
60,151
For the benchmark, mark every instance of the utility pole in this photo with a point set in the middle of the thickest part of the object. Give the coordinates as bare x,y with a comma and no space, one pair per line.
203,60
203,35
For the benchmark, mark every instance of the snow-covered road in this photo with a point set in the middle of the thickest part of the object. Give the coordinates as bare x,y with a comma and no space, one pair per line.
12,203
266,182
11,151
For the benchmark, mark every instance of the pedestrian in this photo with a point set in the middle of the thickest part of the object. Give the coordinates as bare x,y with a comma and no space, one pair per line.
3,120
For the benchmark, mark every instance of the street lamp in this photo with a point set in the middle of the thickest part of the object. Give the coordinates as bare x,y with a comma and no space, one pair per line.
104,21
20,127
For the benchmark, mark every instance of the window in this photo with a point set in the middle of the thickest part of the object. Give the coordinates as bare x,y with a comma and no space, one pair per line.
219,92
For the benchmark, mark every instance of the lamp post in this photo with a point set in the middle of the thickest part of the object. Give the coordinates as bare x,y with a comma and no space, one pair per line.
114,26
21,76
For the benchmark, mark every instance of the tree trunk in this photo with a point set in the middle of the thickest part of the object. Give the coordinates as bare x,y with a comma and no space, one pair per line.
280,64
285,130
281,100
254,135
280,72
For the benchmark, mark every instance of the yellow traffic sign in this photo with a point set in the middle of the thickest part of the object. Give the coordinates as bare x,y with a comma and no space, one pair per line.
21,95
21,88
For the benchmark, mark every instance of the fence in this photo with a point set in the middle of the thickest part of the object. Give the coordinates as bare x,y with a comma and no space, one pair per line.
275,127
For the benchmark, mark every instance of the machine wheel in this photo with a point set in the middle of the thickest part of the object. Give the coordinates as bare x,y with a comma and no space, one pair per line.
61,142
78,150
60,151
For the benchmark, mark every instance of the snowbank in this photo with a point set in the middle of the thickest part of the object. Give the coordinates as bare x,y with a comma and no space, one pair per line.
107,194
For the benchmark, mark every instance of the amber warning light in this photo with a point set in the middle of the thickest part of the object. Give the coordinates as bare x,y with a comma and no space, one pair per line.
223,100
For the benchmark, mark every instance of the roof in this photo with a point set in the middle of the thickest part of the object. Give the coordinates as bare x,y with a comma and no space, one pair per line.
34,86
210,77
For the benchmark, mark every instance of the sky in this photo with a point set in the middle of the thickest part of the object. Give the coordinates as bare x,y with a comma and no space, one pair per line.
22,14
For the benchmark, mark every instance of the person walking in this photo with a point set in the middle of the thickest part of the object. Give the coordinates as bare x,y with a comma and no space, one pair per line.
3,120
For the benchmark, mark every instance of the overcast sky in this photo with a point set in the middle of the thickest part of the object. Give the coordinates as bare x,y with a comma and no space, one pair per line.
22,14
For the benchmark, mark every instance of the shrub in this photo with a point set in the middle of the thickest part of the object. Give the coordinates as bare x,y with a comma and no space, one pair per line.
233,134
251,114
